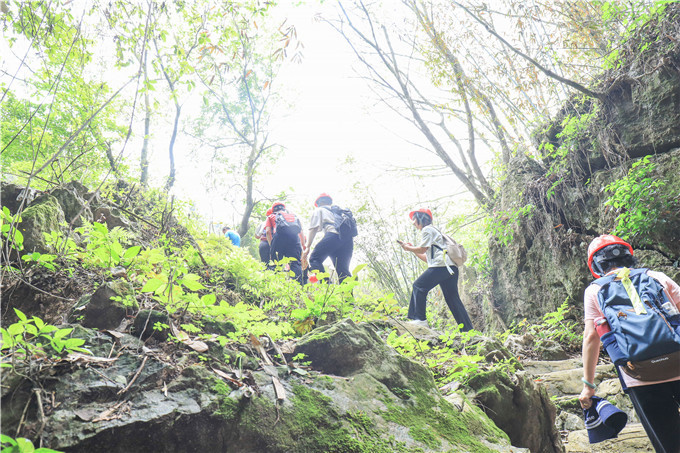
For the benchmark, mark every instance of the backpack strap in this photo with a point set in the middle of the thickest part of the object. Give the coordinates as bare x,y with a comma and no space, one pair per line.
448,268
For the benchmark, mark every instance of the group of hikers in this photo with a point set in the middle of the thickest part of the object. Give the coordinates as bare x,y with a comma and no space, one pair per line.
282,239
634,313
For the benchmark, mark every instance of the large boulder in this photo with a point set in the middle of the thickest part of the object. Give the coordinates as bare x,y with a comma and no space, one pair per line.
44,215
520,407
140,400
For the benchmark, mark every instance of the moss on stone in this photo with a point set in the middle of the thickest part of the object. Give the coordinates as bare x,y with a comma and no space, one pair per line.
431,418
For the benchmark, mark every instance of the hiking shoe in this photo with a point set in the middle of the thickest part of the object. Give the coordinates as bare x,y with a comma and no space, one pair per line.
419,323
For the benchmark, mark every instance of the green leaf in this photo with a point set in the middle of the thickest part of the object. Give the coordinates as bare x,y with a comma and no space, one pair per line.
152,285
132,252
208,299
61,333
20,314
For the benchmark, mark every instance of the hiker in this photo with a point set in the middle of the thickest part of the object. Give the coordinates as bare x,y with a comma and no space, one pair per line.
232,235
285,237
334,245
261,234
431,250
625,295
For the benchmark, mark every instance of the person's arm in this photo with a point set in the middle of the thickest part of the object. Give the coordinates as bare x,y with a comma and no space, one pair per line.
417,251
310,240
590,354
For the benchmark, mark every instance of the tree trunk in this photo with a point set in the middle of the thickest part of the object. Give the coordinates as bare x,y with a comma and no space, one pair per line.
144,163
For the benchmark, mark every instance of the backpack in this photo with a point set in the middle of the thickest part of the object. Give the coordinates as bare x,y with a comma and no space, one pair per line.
455,251
287,224
644,339
344,224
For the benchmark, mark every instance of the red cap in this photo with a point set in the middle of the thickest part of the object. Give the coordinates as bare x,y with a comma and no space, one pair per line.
324,194
277,203
601,242
423,210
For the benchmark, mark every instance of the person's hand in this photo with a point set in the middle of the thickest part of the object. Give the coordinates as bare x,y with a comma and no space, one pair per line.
584,397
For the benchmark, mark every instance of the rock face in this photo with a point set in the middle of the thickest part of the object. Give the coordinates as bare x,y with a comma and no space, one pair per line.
141,400
539,260
520,408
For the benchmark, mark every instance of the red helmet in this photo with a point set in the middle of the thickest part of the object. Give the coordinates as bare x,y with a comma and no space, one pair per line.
277,203
601,242
423,210
323,195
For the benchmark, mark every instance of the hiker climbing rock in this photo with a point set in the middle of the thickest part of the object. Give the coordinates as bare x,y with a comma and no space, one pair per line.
339,228
635,314
284,234
232,235
441,270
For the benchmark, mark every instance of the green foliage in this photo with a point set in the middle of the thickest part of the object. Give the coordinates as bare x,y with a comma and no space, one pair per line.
501,226
321,298
21,445
10,232
30,337
42,259
632,15
573,130
106,247
638,200
555,326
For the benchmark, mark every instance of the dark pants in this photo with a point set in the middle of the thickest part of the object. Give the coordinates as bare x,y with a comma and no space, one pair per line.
285,247
432,277
339,250
265,252
657,406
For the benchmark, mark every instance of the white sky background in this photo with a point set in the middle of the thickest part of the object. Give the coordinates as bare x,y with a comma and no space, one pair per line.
332,115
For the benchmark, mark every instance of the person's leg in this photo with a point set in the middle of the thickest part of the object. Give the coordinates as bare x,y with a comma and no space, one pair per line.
656,406
264,252
322,251
341,257
422,285
449,288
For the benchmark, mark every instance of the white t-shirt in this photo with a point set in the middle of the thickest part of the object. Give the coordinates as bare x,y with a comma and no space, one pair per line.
323,219
435,255
592,311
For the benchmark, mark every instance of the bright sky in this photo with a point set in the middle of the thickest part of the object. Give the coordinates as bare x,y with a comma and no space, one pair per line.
333,116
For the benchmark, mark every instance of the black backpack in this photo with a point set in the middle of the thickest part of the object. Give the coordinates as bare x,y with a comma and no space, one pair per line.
287,224
344,224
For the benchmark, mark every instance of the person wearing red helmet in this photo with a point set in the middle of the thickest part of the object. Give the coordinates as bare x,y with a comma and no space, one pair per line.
285,237
656,402
334,246
431,250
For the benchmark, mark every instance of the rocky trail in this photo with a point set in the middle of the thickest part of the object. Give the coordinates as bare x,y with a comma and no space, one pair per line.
562,379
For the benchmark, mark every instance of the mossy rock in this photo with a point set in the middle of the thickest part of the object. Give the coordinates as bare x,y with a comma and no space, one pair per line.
44,215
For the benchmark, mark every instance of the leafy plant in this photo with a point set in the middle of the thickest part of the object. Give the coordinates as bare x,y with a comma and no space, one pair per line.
638,200
106,247
21,445
29,338
10,233
42,259
501,226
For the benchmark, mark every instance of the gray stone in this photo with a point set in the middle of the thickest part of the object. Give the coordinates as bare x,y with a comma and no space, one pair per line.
72,203
108,305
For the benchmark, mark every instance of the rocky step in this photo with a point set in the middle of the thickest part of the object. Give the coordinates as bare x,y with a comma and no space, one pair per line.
562,379
632,439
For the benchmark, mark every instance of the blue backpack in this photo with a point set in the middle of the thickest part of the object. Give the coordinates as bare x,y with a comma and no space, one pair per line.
644,339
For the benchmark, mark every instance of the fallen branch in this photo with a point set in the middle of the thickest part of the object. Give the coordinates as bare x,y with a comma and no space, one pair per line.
127,387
